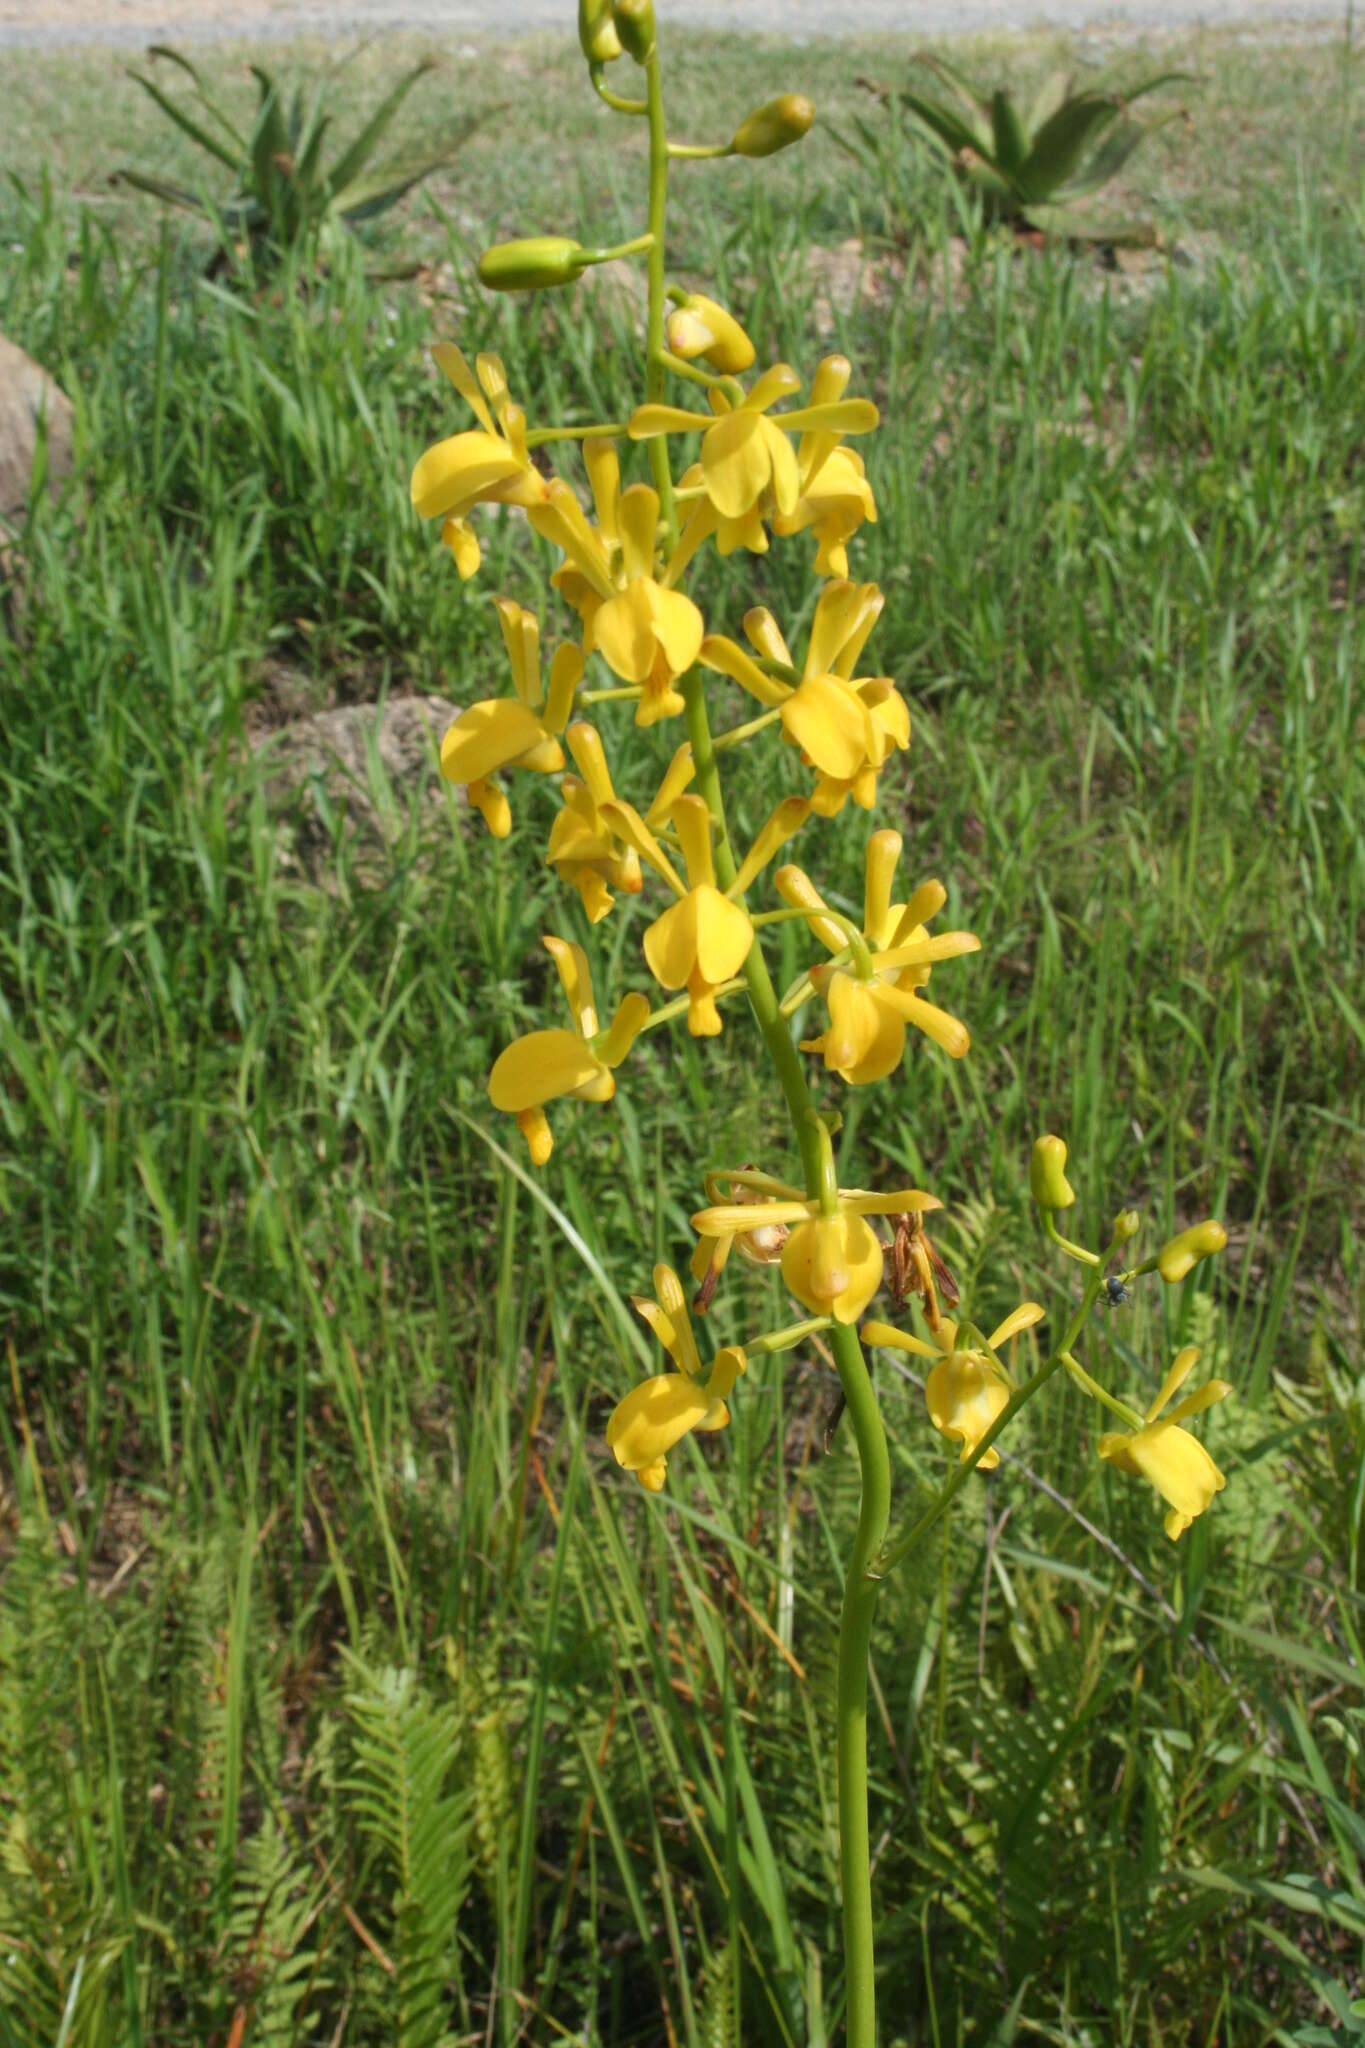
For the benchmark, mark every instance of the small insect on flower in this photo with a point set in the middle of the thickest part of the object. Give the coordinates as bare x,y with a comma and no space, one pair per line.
1116,1294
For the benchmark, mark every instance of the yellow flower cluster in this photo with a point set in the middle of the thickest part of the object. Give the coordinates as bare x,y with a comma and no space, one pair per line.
760,471
762,461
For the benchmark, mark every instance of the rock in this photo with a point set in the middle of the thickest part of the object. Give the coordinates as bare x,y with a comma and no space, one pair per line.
27,396
370,761
844,278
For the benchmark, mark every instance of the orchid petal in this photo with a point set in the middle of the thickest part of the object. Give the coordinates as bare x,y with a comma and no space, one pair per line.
486,736
537,1068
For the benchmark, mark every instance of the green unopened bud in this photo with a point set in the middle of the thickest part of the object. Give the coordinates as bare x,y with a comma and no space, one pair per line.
634,21
1047,1175
774,126
597,31
535,264
1183,1253
1126,1224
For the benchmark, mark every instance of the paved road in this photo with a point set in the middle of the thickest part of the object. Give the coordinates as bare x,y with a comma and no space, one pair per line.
59,24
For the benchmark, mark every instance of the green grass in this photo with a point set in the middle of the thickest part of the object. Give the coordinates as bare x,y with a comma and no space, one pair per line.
346,1691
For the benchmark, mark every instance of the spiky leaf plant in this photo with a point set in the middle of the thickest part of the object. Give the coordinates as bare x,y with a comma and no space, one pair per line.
284,195
1030,168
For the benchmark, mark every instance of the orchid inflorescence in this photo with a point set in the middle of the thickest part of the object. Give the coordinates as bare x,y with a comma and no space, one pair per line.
758,468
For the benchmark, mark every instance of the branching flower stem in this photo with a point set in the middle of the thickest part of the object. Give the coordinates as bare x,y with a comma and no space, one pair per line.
860,1585
938,1507
654,336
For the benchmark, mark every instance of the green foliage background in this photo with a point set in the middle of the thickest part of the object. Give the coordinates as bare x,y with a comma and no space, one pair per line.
346,1692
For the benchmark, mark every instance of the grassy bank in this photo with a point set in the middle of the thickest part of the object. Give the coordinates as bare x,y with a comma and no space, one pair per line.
346,1692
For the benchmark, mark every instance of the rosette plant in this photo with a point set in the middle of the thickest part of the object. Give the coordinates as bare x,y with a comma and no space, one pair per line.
289,182
1032,165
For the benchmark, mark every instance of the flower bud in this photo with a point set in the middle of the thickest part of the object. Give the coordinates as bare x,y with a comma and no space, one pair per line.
535,264
1127,1224
1047,1175
772,127
634,21
699,327
597,31
1183,1253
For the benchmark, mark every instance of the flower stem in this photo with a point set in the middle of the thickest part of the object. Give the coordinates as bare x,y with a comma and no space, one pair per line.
860,1586
613,430
737,734
1101,1394
795,1333
693,151
654,341
1065,1244
614,100
680,367
855,1637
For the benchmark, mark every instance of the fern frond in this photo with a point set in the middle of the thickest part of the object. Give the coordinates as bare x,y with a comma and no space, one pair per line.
403,1748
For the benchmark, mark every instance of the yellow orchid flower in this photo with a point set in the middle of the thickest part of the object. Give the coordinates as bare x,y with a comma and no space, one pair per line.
968,1386
513,732
583,850
873,999
833,505
760,1242
1175,1462
747,460
835,495
658,1414
700,943
487,465
536,1069
703,939
832,1264
846,728
646,631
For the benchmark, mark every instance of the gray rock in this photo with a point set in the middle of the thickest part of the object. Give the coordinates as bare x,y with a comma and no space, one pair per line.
27,396
372,762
